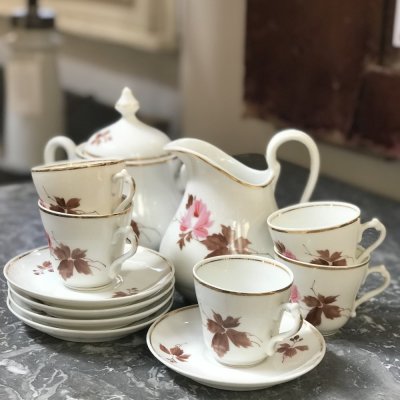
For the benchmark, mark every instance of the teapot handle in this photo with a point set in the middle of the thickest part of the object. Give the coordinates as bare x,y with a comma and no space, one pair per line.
274,166
54,143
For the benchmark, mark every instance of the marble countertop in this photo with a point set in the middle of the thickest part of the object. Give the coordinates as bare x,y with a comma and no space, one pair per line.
362,360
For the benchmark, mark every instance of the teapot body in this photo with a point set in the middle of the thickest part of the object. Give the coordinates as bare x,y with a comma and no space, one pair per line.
156,197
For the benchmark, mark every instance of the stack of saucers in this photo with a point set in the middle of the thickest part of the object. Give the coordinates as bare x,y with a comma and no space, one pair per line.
143,292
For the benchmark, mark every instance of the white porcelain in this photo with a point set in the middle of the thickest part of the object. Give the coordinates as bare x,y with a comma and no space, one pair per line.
77,313
322,232
84,187
176,340
153,169
88,250
241,300
89,324
141,276
327,295
90,336
226,204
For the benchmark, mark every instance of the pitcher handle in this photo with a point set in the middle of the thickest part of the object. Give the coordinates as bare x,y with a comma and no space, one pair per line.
54,143
274,166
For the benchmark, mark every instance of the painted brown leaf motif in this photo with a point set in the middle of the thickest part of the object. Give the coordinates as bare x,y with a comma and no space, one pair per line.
280,247
69,260
135,228
191,198
128,292
67,207
321,305
325,258
289,350
223,243
223,334
175,352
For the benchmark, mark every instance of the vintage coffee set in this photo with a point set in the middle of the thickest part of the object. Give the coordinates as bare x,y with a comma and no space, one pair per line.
122,234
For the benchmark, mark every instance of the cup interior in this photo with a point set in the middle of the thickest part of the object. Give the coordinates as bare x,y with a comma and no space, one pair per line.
314,216
238,275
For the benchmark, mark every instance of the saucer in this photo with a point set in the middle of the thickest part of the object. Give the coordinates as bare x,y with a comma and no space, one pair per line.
91,336
102,323
33,274
176,340
96,313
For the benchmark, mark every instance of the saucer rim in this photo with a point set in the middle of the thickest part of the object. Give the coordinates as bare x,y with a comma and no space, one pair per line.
91,333
93,324
112,301
313,361
84,313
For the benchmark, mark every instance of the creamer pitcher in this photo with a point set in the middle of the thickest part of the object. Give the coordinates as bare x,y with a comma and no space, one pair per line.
225,206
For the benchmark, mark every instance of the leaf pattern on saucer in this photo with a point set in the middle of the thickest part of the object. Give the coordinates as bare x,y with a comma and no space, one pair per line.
224,333
45,266
289,350
128,292
176,353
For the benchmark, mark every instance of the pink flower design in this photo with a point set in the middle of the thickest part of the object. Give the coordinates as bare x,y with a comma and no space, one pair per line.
294,294
196,219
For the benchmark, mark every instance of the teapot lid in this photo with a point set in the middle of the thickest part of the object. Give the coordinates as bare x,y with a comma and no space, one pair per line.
128,137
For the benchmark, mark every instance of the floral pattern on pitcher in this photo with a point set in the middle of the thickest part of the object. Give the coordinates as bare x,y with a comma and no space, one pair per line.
176,353
318,305
289,350
194,224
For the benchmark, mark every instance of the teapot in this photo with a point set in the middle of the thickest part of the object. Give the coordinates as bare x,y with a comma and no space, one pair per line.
225,206
155,171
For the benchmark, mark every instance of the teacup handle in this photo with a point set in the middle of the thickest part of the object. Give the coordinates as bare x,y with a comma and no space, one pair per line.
54,143
294,310
116,265
130,183
274,166
381,269
373,224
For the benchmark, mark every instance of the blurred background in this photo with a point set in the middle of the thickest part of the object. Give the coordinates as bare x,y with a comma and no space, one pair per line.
231,72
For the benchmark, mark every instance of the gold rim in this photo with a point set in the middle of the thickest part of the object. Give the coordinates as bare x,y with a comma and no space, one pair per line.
134,162
72,165
319,266
278,213
226,173
82,216
237,293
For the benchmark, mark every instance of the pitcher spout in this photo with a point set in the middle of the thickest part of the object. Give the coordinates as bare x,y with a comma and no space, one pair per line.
194,152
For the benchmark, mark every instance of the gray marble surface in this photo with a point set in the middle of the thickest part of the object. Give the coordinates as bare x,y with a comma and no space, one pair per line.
362,360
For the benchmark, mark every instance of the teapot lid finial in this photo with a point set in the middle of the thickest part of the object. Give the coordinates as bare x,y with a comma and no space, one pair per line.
127,105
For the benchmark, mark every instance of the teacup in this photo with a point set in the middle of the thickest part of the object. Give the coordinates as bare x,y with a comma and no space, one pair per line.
84,187
327,294
88,249
322,232
241,300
